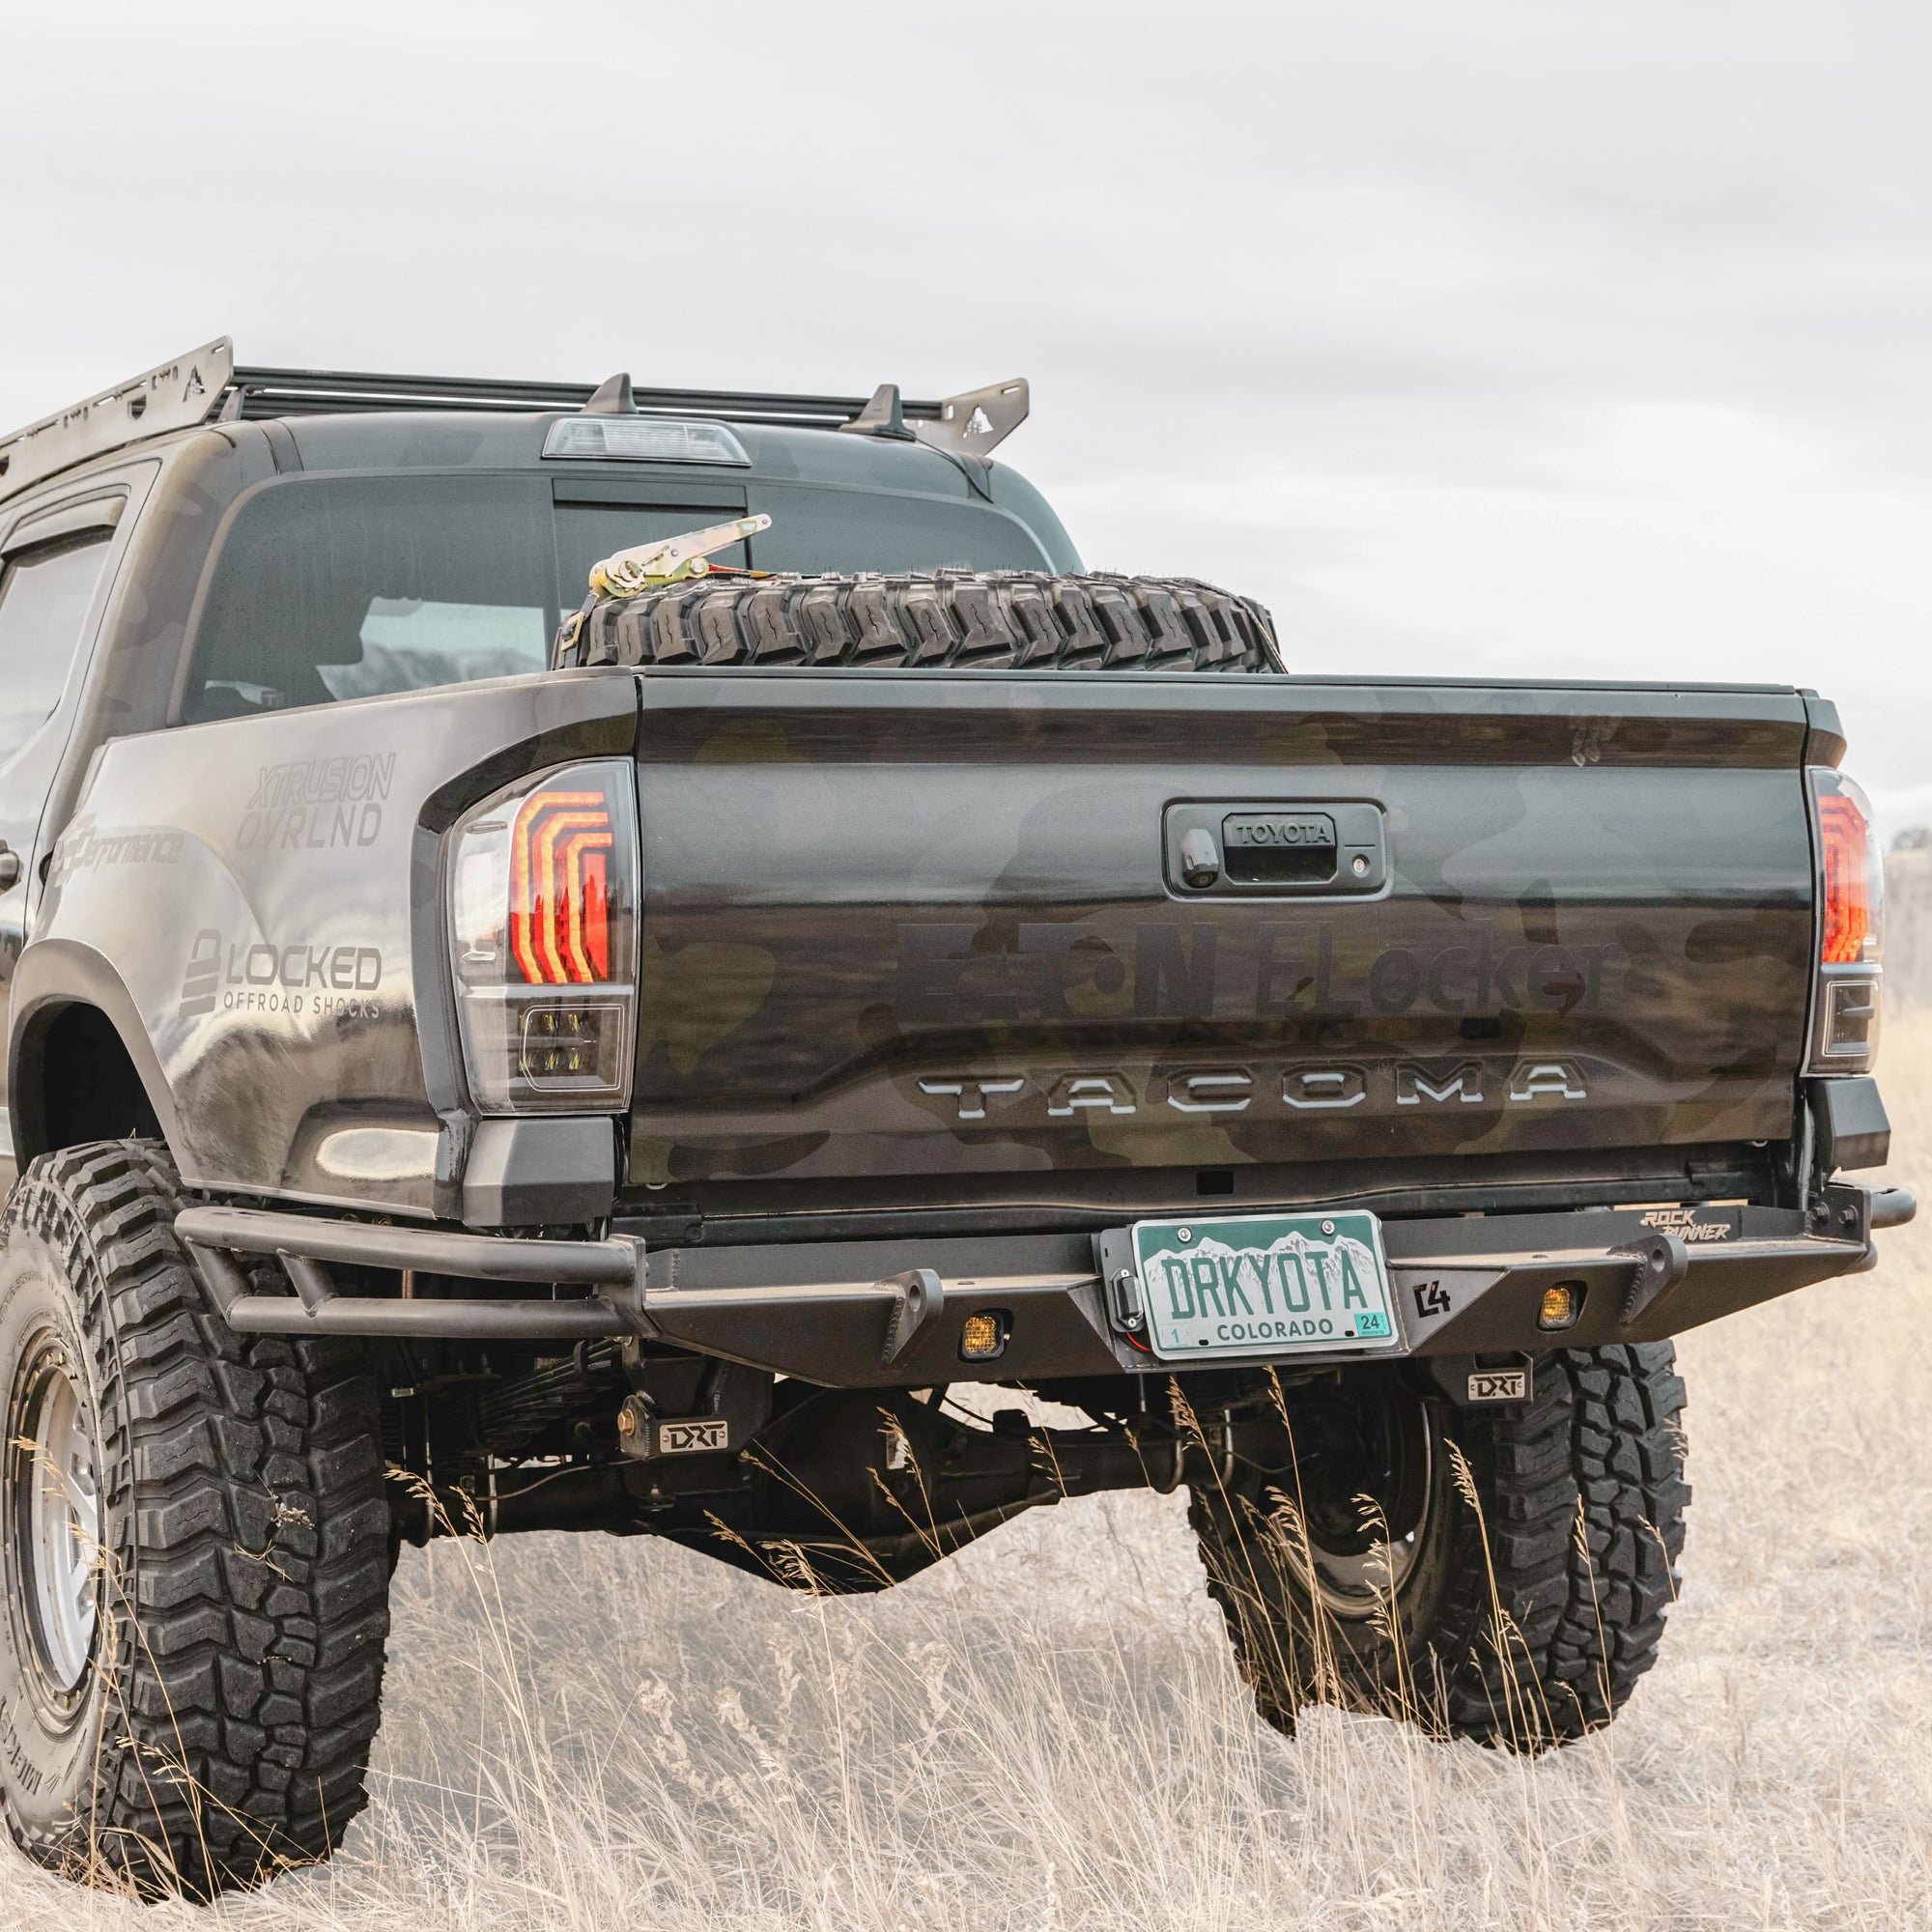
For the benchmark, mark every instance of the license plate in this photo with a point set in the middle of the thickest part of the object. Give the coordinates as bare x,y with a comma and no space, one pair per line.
1264,1285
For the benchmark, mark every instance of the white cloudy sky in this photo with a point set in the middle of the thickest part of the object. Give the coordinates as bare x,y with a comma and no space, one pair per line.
1527,337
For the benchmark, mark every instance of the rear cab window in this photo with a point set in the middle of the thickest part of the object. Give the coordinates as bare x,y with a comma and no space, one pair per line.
329,587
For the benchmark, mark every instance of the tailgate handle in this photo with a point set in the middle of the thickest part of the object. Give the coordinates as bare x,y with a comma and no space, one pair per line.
1276,848
1280,847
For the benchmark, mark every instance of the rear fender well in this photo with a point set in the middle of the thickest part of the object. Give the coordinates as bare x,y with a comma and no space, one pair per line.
59,980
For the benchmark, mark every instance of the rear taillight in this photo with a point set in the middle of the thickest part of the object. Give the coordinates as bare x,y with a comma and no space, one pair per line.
561,844
1851,906
543,910
1844,855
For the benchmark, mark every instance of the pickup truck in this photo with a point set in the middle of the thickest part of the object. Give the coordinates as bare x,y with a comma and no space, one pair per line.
485,1059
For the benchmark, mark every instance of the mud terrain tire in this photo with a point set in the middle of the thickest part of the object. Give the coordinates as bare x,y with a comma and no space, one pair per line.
948,620
189,1703
1526,1614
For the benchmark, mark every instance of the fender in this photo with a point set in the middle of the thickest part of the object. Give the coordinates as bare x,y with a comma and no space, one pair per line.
52,976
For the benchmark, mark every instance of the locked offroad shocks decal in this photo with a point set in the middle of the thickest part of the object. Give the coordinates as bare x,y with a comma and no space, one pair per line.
332,981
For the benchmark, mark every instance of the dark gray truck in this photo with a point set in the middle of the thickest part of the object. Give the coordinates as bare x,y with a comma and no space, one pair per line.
479,1060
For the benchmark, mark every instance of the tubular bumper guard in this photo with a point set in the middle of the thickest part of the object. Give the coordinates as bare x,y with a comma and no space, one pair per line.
884,1313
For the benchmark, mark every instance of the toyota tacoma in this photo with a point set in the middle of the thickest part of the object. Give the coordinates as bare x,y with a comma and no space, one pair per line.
486,1054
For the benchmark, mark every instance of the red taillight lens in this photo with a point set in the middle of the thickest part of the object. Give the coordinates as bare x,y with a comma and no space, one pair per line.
1845,999
542,884
559,888
1844,841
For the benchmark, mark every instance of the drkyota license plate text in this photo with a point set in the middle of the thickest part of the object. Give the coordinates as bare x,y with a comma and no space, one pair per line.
1264,1284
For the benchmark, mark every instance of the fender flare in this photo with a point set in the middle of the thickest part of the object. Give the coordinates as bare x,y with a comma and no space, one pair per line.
52,976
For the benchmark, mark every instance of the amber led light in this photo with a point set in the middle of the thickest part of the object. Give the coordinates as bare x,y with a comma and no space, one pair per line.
983,1335
1562,1303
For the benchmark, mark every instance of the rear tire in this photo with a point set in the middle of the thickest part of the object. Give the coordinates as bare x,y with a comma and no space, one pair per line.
191,1652
1512,1581
949,620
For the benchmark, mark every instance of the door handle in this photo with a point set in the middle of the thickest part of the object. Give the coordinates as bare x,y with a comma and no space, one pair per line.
10,866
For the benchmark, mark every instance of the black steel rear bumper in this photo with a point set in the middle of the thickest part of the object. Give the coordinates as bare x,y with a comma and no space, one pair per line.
889,1313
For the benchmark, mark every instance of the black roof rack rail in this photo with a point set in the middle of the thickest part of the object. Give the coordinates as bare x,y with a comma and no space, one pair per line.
204,386
257,393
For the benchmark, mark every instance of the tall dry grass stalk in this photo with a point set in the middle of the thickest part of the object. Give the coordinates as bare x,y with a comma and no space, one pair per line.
1047,1733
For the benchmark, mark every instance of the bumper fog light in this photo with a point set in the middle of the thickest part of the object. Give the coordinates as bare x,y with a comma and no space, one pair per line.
1562,1303
983,1335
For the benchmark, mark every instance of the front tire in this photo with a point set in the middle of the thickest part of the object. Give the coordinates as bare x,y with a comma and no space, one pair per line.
195,1534
1501,1574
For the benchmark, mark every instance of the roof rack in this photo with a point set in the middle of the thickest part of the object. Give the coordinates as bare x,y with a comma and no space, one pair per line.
969,424
303,392
204,386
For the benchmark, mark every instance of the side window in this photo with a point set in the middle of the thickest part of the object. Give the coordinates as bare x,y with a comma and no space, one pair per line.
336,588
44,597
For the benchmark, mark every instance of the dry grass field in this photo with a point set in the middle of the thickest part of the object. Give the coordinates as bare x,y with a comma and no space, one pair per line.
1047,1735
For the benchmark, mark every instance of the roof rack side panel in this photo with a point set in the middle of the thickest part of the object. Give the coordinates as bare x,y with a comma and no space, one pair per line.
175,395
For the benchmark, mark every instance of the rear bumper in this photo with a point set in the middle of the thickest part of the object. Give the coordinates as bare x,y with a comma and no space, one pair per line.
889,1313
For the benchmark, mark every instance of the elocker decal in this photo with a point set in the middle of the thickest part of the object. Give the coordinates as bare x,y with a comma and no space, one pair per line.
1197,971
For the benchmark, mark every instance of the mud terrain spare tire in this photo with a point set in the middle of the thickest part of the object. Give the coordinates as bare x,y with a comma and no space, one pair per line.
1509,1576
948,620
196,1541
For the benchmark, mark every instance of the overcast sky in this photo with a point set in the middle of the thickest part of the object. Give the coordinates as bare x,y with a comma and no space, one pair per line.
1538,338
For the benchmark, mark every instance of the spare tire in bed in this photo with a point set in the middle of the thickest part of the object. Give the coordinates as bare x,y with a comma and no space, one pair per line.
942,620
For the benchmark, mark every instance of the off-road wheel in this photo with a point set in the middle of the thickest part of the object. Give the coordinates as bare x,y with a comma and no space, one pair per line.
195,1538
945,621
1508,1576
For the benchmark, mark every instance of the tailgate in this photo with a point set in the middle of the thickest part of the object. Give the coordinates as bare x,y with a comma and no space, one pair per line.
939,923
